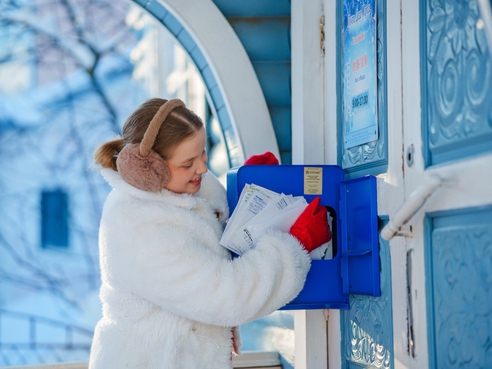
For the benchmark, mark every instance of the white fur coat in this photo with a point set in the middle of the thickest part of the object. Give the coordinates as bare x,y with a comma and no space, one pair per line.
170,292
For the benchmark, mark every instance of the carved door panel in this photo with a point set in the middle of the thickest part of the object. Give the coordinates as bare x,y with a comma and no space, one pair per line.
367,327
447,124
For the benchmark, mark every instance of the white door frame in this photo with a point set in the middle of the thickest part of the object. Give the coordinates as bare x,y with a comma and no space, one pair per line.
308,147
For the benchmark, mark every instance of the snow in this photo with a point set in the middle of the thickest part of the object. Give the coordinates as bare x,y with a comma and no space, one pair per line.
274,332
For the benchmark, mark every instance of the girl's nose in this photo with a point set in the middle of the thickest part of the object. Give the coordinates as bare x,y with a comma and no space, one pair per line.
202,168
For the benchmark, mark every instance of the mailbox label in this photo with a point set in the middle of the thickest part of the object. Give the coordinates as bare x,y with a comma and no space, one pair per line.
313,181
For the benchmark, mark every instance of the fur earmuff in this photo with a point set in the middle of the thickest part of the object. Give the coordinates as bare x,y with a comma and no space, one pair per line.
138,164
148,173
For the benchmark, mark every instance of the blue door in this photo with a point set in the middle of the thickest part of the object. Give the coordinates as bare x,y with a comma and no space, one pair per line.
367,327
456,86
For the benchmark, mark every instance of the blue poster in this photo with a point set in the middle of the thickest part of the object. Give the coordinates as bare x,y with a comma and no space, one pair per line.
359,72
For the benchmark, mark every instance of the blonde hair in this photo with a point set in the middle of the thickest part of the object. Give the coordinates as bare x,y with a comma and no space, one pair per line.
179,125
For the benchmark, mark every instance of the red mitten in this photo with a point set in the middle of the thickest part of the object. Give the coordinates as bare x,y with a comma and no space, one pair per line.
263,159
311,228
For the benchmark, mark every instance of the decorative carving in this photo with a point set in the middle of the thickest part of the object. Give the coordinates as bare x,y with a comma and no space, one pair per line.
367,326
462,296
458,74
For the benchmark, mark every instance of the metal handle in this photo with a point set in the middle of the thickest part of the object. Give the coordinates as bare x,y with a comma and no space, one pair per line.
410,207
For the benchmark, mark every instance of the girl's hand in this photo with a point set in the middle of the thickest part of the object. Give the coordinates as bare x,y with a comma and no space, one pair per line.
264,159
311,228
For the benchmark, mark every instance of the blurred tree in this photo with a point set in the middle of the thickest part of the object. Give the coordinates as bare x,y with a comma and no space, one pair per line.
71,71
66,84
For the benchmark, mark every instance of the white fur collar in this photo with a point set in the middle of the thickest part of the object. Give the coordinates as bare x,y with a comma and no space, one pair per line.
114,179
211,190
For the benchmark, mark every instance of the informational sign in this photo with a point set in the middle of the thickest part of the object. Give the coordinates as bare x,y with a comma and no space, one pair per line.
359,72
313,181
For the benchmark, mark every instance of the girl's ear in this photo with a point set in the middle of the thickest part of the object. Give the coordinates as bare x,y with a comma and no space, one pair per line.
148,173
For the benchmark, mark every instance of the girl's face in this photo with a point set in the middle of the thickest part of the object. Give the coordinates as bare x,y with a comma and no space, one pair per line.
188,163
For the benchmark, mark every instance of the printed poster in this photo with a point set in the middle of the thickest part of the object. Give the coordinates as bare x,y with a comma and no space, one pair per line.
359,72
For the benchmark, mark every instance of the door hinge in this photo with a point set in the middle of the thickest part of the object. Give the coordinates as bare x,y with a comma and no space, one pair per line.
322,34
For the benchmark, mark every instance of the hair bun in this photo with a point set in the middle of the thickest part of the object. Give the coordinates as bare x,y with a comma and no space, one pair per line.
146,173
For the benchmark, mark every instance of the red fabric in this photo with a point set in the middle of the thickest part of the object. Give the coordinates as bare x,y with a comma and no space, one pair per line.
311,228
235,347
264,159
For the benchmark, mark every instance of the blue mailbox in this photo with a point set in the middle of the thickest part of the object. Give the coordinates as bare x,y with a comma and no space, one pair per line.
354,267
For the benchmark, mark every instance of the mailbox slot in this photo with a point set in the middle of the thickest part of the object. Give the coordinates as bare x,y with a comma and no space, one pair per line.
354,267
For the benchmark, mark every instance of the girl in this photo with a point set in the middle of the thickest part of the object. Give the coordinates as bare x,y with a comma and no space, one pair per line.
171,294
